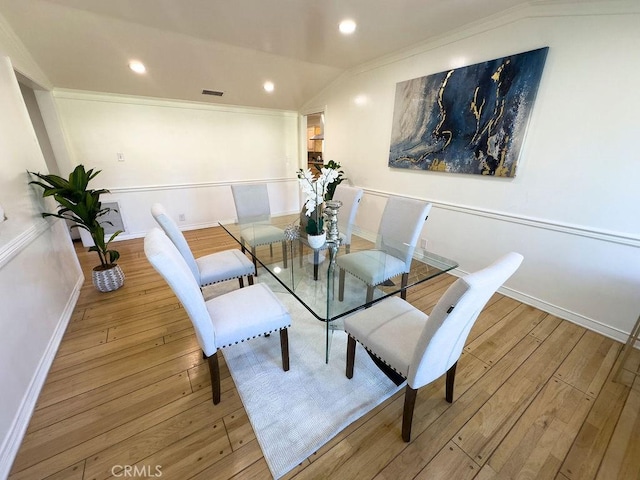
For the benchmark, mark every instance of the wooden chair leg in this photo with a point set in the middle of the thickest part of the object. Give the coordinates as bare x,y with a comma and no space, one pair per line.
241,282
284,254
214,372
341,285
351,355
407,415
403,285
316,260
370,290
250,278
301,252
284,346
451,377
253,257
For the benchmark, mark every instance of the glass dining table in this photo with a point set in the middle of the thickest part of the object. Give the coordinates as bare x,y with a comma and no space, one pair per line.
311,275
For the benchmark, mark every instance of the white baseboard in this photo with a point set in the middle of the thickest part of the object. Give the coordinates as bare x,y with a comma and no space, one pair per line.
563,313
573,317
13,440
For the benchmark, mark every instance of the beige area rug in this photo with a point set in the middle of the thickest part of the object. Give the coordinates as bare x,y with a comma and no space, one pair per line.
295,413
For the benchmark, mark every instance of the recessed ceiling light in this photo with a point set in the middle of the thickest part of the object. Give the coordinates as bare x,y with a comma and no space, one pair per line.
347,26
137,67
361,100
269,86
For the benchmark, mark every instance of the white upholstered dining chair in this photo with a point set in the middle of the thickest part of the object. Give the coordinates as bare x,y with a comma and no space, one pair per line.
400,227
419,347
208,269
222,321
252,208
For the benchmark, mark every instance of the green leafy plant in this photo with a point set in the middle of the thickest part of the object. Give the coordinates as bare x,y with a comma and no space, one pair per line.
315,224
81,205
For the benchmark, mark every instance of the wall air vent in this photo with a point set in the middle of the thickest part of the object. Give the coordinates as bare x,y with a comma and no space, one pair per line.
114,216
215,93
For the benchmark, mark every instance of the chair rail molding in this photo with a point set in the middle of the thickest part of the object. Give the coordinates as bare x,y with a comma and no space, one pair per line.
621,238
22,241
182,186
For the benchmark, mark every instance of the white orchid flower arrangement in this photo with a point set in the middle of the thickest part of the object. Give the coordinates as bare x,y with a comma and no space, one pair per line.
314,190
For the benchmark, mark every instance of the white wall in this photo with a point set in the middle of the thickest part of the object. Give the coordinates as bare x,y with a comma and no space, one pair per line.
40,276
572,208
184,155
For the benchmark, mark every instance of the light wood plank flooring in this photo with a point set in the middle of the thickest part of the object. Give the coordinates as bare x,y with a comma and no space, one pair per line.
534,398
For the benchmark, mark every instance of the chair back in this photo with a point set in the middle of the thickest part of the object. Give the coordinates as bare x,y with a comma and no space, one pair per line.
443,337
252,202
400,227
350,198
177,237
169,263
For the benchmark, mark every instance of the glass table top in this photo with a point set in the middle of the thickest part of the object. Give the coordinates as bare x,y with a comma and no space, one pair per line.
282,254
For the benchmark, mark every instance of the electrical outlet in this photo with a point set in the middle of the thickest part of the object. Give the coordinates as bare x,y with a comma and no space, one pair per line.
120,156
423,243
181,217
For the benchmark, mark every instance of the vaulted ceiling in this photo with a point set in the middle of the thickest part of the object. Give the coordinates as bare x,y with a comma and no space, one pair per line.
232,46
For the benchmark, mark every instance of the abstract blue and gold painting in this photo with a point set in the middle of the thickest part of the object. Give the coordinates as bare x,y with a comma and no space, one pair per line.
466,120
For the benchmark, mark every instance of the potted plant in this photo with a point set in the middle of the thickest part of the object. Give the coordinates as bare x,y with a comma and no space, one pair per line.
81,206
315,190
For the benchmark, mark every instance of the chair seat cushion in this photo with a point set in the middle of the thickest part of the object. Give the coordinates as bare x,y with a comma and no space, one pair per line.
390,329
258,234
246,313
225,265
371,266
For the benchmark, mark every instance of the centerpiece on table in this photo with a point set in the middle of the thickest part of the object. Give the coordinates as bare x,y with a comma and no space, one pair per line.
315,191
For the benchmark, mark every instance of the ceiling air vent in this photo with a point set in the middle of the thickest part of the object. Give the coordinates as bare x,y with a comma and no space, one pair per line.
215,93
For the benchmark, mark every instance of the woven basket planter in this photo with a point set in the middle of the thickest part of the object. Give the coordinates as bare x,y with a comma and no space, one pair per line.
107,280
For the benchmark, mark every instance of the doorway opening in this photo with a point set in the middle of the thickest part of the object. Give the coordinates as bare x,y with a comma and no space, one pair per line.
315,140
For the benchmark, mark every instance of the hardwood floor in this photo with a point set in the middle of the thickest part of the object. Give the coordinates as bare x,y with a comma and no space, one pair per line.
534,398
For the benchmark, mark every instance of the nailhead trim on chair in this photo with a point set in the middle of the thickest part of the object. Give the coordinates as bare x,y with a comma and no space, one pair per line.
242,239
366,281
227,279
255,336
378,357
261,244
